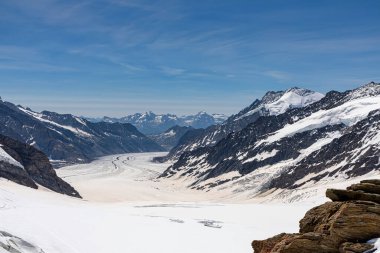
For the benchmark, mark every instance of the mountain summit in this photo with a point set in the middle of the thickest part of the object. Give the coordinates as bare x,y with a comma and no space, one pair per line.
272,103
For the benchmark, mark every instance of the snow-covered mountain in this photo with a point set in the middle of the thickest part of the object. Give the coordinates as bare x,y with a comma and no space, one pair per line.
151,123
272,103
170,137
65,138
336,136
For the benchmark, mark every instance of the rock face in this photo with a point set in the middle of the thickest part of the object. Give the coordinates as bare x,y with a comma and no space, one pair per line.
344,225
26,165
170,137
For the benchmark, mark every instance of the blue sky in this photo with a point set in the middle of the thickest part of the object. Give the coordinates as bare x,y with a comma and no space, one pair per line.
116,57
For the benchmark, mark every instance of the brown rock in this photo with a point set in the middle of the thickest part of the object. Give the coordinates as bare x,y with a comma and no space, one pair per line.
306,243
349,247
352,221
347,195
265,246
318,216
333,227
365,187
371,181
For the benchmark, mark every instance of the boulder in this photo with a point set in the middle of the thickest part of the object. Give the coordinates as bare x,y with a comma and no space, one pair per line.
371,181
365,187
346,195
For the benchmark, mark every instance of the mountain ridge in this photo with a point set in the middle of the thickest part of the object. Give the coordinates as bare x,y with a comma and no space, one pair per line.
151,123
68,139
273,152
272,103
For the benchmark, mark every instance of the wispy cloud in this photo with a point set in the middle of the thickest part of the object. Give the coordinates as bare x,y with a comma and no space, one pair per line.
172,71
278,75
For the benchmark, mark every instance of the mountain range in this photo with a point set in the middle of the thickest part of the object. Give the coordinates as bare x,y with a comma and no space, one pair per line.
272,103
308,138
68,139
152,124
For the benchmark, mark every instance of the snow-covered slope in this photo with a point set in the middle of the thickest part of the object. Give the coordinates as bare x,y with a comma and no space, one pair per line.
272,103
152,124
65,138
335,137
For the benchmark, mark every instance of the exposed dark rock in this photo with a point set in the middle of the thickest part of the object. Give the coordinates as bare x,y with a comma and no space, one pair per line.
170,137
36,168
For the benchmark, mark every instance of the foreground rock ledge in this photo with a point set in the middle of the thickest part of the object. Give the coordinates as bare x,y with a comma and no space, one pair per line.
341,226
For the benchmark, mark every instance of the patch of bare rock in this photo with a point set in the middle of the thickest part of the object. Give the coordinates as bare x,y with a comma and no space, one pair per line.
344,225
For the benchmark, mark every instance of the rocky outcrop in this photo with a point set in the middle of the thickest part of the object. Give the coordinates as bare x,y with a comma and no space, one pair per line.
344,225
13,244
30,167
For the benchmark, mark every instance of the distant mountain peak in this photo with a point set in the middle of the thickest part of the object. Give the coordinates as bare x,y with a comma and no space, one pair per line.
152,123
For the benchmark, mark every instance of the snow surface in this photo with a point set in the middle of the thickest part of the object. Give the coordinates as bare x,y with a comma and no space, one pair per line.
348,113
125,209
292,98
5,157
376,243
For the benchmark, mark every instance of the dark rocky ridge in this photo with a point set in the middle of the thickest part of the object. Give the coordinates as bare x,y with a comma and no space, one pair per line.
36,168
342,226
170,137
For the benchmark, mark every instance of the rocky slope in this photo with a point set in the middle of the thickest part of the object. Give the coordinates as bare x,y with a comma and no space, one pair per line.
26,165
345,225
337,136
272,103
170,137
65,138
152,124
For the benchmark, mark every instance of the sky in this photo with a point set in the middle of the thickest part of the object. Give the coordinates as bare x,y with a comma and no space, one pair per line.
118,57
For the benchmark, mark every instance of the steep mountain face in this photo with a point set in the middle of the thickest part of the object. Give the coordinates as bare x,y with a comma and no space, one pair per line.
272,103
337,136
69,139
26,165
150,123
170,137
